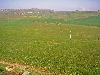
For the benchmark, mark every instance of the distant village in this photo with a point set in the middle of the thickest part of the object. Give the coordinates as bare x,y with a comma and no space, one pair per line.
27,11
39,12
36,11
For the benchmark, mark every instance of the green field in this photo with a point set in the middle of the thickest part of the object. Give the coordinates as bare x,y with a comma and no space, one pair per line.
47,45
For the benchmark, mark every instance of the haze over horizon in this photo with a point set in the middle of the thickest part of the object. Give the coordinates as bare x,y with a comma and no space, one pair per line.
57,5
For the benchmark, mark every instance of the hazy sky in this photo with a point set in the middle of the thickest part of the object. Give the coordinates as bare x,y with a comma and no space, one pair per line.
64,5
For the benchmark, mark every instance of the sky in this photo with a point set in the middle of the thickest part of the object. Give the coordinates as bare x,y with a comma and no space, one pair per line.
57,5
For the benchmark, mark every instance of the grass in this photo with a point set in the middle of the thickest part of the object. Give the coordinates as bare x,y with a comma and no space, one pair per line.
47,46
85,20
90,21
2,70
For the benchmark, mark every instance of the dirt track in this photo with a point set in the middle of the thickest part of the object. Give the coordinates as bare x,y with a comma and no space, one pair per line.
23,67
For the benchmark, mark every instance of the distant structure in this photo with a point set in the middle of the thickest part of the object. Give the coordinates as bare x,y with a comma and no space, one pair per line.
98,10
77,10
29,12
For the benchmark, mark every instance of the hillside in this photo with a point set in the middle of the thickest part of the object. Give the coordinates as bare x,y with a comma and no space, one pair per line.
44,44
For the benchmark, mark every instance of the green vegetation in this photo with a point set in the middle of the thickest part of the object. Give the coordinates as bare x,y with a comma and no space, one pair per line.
47,45
87,21
2,70
91,21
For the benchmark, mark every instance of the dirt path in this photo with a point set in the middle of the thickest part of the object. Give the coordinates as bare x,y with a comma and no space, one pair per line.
23,67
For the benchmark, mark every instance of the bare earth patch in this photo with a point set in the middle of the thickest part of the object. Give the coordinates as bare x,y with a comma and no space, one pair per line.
23,67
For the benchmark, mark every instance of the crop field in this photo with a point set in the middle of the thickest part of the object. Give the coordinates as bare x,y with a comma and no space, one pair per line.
46,45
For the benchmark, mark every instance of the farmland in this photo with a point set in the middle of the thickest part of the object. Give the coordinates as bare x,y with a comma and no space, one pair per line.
44,43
